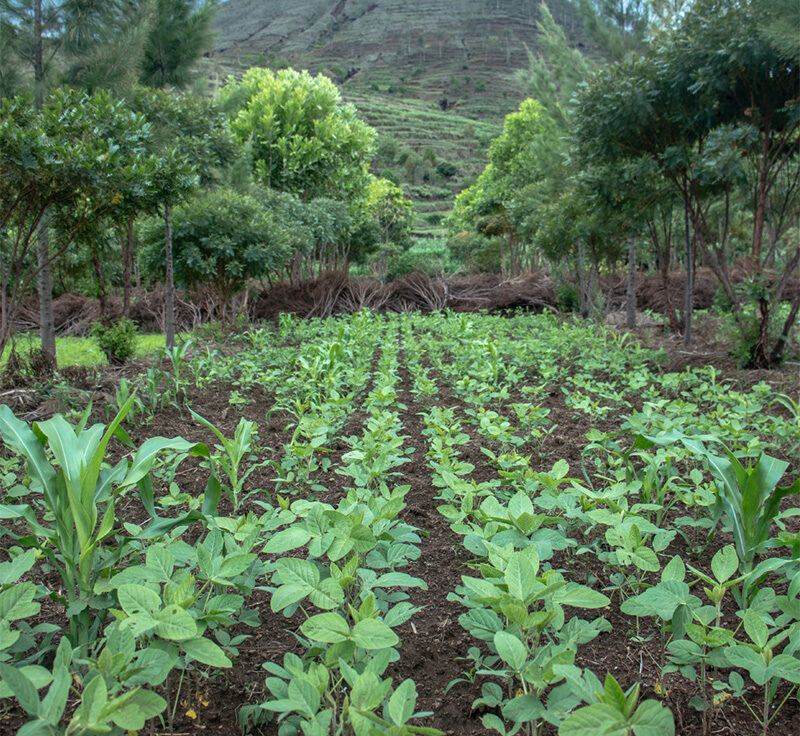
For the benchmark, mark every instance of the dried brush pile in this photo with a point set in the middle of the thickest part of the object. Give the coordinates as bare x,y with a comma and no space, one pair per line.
336,293
74,313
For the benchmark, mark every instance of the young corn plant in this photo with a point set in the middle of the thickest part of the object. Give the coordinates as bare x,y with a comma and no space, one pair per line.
229,456
748,495
79,493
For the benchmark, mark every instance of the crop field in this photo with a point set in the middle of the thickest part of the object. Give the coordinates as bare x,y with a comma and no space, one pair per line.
406,524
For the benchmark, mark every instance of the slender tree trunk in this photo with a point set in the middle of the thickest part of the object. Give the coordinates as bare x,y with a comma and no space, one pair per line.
169,285
594,284
761,194
582,286
47,328
101,287
630,297
689,302
38,56
663,254
761,357
295,269
780,346
127,245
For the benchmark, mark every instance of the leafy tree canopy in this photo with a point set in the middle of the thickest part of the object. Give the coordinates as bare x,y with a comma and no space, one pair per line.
219,237
79,157
304,139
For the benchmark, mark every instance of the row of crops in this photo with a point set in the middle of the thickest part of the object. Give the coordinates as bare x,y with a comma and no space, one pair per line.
675,516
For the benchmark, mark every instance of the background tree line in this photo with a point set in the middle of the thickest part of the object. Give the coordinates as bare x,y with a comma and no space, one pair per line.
677,145
113,173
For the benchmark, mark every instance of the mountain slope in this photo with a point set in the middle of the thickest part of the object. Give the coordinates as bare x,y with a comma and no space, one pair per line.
435,76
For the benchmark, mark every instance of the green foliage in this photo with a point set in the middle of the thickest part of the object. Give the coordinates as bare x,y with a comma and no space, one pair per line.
619,27
80,492
220,238
78,158
553,75
504,200
305,140
86,45
547,552
181,31
385,204
748,495
191,134
742,331
568,297
428,256
681,109
617,712
99,710
231,453
446,169
474,252
117,340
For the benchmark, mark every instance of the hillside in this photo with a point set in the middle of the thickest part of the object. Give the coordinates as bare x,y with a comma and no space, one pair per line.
434,77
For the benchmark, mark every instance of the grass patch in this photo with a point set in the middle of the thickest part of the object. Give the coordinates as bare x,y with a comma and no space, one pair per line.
84,350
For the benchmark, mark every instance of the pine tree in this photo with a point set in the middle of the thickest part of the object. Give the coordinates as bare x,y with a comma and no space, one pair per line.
181,32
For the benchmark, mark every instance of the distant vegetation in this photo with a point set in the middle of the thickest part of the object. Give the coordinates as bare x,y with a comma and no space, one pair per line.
571,137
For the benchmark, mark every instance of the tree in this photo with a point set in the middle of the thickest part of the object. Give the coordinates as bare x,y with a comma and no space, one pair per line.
779,25
708,98
103,44
304,139
180,33
192,136
510,191
89,39
617,26
386,203
220,238
305,142
192,142
555,72
74,157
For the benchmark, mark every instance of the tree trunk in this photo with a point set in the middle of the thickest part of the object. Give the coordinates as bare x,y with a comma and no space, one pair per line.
630,297
127,245
582,286
761,357
780,346
664,258
595,309
47,329
689,300
762,188
295,275
169,281
101,287
38,56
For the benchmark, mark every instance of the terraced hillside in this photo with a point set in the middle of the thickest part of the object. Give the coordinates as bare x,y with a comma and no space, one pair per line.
437,76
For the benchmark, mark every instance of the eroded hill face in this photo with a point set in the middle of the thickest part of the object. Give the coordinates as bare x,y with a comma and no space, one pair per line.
435,76
449,51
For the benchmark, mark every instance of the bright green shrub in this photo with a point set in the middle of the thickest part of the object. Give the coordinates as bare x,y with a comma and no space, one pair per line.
116,340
